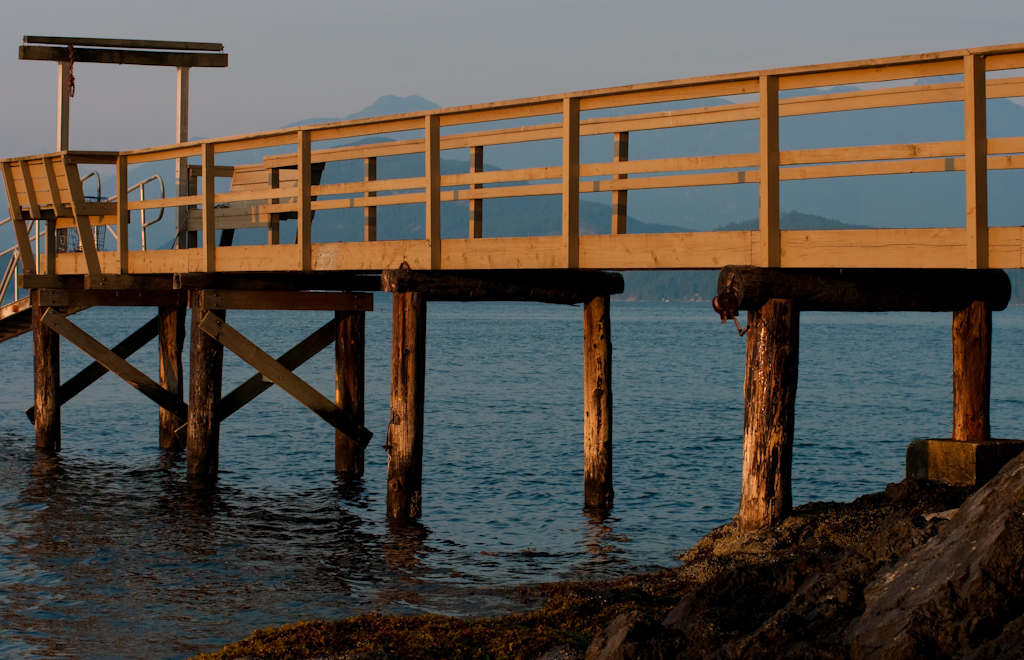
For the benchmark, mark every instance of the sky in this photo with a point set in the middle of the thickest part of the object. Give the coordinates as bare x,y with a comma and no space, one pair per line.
300,59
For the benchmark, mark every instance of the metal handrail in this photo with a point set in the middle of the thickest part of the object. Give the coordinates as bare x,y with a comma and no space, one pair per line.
140,186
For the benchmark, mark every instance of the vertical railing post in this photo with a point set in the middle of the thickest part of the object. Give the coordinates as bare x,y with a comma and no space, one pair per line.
181,164
432,185
571,181
370,212
976,161
770,253
209,213
122,214
274,219
476,206
305,214
620,154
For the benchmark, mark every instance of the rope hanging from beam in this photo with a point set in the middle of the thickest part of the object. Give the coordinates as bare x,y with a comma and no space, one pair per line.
71,70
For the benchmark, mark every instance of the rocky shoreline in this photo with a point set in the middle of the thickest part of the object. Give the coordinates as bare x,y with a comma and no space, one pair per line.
919,571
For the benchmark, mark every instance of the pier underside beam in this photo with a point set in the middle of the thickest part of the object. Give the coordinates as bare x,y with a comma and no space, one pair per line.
568,287
46,362
89,375
219,331
769,393
114,363
278,281
349,387
405,431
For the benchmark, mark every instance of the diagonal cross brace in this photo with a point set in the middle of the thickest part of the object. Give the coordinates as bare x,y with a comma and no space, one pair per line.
115,364
86,377
285,379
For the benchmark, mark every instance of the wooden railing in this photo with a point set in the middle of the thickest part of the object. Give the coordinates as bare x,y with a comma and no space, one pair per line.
974,245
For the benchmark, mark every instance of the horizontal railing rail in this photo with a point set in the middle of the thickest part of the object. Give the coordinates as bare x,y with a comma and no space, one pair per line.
744,97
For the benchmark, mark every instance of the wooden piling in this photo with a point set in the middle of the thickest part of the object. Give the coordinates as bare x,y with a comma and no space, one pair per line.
46,358
171,342
773,341
349,370
972,366
206,361
597,403
405,431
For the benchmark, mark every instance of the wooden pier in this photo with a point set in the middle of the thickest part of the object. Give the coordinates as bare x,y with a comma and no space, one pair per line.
775,274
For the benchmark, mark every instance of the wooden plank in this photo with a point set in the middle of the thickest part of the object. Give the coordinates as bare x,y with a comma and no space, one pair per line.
1013,145
516,135
171,152
665,92
485,253
563,286
258,258
86,238
912,166
571,182
768,186
880,152
911,71
124,43
873,248
620,154
284,378
1006,247
506,191
63,106
671,119
209,210
28,260
115,364
1001,62
696,250
669,165
121,281
114,56
304,230
13,203
30,191
292,359
285,300
370,256
122,214
476,206
89,375
59,209
976,161
365,127
476,179
432,184
369,212
112,298
499,112
873,98
1004,88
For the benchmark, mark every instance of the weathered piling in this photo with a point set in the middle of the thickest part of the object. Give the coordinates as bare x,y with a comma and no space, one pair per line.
171,343
349,378
405,431
769,392
206,361
597,403
46,359
972,366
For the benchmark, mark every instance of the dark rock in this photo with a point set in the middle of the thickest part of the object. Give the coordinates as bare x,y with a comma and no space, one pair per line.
631,637
565,652
958,593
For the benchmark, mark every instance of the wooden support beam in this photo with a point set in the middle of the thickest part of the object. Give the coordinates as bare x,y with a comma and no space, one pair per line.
571,182
976,161
370,212
181,178
171,322
476,206
285,300
769,393
861,290
551,286
86,377
620,154
114,363
28,261
305,394
86,237
304,230
46,379
122,282
597,403
278,281
112,298
114,56
206,366
405,432
124,43
972,368
122,214
291,360
770,255
36,281
349,387
432,186
63,104
209,210
30,190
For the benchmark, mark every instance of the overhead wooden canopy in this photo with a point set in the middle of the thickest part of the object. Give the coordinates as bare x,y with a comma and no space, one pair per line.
124,51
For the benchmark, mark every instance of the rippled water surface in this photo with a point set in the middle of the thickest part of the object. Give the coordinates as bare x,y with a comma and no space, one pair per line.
107,551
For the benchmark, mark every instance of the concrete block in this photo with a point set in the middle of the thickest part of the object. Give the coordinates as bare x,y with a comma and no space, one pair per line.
959,463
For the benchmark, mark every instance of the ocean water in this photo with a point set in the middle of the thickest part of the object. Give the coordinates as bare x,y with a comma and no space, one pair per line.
107,551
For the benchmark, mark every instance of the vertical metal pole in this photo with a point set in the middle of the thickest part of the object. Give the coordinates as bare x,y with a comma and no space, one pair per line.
181,164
